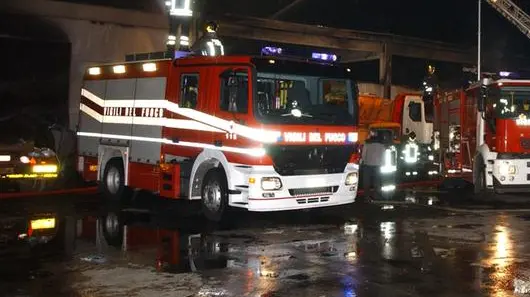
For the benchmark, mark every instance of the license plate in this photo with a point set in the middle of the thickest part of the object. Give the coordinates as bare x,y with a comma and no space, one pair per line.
41,224
316,182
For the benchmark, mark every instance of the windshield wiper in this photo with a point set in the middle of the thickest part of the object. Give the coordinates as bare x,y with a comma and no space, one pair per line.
297,113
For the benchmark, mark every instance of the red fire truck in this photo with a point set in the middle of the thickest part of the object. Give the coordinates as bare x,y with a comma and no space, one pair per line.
230,131
485,134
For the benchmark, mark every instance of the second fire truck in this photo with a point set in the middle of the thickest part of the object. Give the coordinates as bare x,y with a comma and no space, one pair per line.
485,134
229,131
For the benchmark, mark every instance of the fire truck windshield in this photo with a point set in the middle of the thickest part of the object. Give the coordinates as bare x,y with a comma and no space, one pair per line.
300,95
511,102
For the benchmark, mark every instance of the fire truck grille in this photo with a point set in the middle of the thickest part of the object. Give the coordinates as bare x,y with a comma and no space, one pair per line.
525,143
313,191
307,160
312,200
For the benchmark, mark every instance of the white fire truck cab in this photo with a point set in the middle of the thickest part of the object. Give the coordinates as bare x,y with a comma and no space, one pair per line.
230,131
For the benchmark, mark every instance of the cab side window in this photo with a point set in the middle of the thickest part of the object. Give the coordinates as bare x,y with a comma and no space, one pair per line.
415,111
234,92
190,90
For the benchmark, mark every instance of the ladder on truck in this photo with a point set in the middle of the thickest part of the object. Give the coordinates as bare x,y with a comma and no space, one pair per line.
513,13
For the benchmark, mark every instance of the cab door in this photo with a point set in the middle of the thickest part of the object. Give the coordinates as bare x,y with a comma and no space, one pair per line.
234,103
414,119
189,88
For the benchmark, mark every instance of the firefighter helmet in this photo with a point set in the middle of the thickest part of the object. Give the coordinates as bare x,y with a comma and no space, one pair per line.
211,27
431,69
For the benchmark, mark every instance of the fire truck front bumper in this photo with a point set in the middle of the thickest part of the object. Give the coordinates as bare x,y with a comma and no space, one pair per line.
511,175
268,191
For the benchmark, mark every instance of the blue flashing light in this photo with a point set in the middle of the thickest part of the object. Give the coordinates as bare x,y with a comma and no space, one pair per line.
271,51
324,57
352,137
505,73
181,54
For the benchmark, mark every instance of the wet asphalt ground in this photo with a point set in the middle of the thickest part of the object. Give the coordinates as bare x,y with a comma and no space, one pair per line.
424,243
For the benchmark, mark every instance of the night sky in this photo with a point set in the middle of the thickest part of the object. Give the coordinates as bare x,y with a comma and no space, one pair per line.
453,21
35,72
448,20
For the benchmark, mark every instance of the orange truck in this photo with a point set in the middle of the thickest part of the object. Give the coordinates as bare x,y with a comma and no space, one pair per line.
412,130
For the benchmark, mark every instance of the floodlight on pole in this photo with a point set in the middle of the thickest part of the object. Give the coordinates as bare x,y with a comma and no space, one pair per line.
179,8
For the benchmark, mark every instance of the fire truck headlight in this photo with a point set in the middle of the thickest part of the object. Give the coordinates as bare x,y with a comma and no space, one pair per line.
352,178
24,159
506,169
5,158
271,183
44,168
388,188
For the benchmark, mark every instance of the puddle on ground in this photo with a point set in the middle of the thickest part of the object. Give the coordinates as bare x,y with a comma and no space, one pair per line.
378,254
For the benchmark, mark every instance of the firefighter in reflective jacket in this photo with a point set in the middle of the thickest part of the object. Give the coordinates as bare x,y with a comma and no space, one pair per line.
209,44
371,160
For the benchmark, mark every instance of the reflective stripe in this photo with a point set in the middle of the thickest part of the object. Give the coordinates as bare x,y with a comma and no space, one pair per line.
92,97
201,119
92,113
256,152
148,121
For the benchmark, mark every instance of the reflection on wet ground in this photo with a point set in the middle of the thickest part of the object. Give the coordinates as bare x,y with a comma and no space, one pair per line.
409,249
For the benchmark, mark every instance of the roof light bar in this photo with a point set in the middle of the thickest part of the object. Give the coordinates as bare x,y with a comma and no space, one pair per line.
324,57
271,51
181,54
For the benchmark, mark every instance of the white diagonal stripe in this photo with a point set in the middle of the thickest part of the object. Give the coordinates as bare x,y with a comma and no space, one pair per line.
162,122
257,152
92,113
203,119
87,94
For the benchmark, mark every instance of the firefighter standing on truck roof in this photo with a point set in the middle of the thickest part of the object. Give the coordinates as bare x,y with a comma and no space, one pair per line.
372,160
209,44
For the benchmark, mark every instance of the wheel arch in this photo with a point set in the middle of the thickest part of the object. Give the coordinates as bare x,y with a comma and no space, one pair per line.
107,153
485,154
205,161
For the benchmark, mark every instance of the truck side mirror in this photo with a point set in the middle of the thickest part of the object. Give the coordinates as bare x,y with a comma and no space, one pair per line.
481,100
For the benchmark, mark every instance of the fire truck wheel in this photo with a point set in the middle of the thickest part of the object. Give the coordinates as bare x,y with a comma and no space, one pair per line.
214,195
112,228
113,182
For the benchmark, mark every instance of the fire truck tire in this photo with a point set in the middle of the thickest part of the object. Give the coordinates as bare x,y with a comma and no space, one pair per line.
214,195
113,182
111,225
